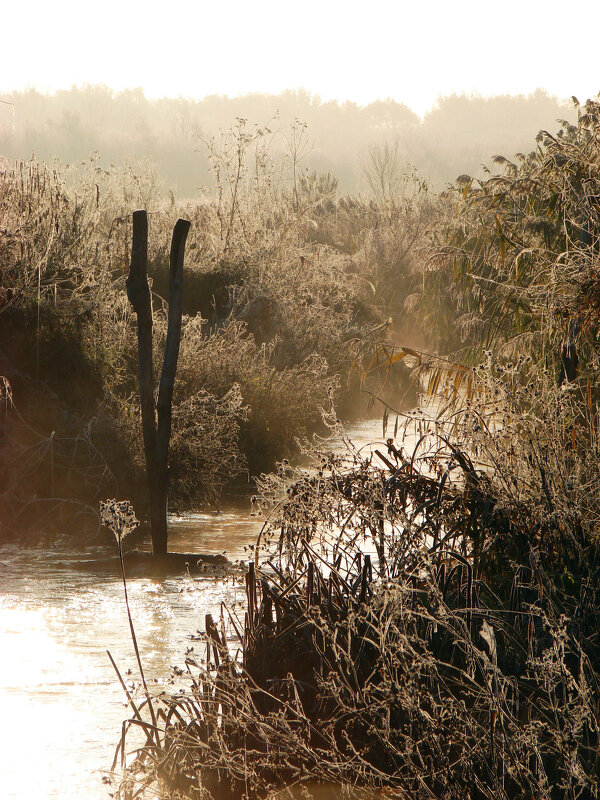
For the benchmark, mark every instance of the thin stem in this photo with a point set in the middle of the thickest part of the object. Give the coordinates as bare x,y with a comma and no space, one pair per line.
133,636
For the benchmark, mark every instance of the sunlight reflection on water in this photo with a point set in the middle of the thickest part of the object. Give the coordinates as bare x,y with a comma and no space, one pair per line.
62,704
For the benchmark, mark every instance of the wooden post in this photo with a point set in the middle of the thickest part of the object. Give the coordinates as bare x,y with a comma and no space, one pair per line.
158,499
156,436
138,293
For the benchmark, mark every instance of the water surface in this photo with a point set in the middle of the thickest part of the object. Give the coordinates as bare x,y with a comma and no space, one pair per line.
62,703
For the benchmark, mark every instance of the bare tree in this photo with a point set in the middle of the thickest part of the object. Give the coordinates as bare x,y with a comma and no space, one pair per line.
383,170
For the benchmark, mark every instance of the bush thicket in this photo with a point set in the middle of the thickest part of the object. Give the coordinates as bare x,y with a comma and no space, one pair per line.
274,300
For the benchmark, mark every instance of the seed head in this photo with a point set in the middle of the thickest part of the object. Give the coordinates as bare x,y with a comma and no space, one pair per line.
119,516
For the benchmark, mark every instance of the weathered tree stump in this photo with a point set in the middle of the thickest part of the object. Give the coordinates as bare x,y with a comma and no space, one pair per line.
156,419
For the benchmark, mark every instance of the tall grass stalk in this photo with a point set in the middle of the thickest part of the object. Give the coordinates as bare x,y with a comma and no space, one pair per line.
121,519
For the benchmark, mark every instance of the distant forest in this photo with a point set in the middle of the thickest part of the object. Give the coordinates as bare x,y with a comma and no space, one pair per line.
457,136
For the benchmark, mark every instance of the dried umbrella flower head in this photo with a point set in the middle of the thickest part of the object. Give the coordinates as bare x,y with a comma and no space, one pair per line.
119,516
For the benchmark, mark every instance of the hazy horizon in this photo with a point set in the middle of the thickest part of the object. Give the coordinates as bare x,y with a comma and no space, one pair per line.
449,86
410,54
313,97
456,136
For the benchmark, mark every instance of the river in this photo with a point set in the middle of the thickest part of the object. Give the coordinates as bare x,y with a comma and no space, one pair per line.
62,706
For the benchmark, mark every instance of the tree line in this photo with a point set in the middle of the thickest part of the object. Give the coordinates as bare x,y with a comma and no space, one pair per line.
456,136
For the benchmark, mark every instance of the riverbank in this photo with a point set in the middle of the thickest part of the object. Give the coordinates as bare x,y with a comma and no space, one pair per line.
417,628
276,327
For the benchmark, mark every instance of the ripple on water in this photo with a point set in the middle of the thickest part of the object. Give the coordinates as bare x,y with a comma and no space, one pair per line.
58,689
62,704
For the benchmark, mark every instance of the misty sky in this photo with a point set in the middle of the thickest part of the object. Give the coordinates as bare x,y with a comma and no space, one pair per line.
409,51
